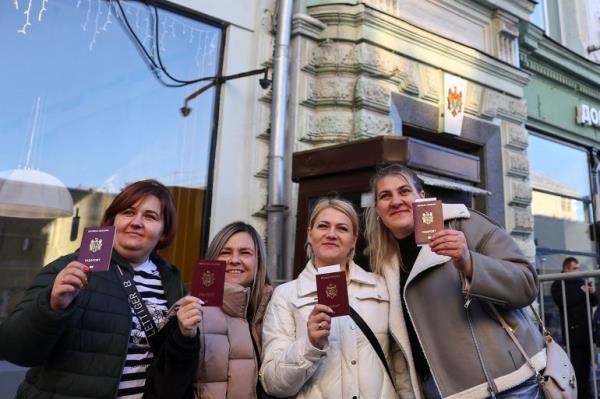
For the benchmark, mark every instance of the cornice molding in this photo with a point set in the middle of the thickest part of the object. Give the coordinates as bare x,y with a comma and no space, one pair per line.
305,25
360,23
547,58
519,8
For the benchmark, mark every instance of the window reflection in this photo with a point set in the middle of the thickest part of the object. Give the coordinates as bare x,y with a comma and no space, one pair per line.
561,204
80,103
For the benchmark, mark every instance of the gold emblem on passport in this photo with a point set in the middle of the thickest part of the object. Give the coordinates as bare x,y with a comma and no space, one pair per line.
427,217
208,278
331,291
95,245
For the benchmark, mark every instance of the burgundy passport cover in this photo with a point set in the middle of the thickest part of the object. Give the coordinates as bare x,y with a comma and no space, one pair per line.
208,281
428,218
333,292
96,247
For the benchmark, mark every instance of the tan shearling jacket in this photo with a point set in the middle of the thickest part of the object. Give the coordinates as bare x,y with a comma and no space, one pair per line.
438,298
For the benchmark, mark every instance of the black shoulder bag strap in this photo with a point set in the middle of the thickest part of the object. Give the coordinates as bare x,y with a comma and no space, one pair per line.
137,304
372,339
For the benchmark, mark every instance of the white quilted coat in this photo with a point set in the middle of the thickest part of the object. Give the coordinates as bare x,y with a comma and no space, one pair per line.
348,367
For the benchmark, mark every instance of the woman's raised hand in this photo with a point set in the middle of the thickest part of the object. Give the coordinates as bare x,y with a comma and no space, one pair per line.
67,284
189,315
453,243
319,325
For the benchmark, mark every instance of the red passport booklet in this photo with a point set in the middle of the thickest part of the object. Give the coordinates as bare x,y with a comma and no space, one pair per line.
332,290
96,247
428,219
208,281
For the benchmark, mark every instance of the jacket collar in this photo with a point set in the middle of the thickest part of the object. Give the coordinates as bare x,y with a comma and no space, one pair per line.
235,300
455,211
306,283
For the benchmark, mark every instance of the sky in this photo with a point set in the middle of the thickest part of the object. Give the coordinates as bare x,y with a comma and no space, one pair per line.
103,119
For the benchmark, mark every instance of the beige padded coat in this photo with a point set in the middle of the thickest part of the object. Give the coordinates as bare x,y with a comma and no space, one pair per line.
228,366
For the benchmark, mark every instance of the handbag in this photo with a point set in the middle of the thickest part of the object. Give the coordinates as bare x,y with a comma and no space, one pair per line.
557,380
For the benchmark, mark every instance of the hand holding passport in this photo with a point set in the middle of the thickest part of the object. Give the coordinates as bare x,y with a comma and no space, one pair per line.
96,247
94,256
332,289
428,219
208,282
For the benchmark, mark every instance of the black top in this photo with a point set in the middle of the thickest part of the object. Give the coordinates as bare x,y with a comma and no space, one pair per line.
576,310
409,252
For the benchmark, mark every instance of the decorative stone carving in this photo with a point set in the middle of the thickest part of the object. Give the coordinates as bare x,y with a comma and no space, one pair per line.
331,89
519,192
514,136
328,126
473,100
369,124
388,65
517,163
430,80
514,109
527,246
497,104
333,54
507,32
521,221
373,93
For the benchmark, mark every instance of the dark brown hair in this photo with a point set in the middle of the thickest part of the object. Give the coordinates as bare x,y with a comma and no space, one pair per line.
134,192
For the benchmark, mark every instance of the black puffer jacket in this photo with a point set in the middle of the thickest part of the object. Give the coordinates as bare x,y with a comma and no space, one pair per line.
80,352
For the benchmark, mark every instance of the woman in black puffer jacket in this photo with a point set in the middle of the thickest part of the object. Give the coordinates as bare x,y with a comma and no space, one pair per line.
77,330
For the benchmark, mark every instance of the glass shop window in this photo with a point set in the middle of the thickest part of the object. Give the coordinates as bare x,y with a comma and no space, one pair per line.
561,204
83,113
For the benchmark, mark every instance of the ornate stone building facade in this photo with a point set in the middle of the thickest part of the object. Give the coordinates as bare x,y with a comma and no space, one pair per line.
361,69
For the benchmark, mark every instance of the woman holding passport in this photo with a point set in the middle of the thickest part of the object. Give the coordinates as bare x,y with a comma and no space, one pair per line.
441,294
213,352
309,351
76,329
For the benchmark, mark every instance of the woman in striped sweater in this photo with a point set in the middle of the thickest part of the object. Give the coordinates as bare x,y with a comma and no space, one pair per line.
80,332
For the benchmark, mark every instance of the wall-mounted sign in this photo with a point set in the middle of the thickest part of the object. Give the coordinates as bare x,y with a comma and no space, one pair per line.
455,95
587,115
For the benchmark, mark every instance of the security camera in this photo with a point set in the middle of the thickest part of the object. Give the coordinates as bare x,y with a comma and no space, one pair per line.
264,83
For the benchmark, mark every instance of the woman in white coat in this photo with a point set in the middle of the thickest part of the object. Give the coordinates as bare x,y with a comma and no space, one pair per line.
309,354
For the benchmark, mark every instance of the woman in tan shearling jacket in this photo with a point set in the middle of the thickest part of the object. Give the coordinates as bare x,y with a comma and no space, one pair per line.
210,352
309,354
441,294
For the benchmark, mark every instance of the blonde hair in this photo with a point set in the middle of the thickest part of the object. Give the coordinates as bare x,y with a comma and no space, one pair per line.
261,278
382,246
340,205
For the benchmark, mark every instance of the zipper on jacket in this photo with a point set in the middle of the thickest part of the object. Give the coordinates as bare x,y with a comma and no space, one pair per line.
492,388
468,300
